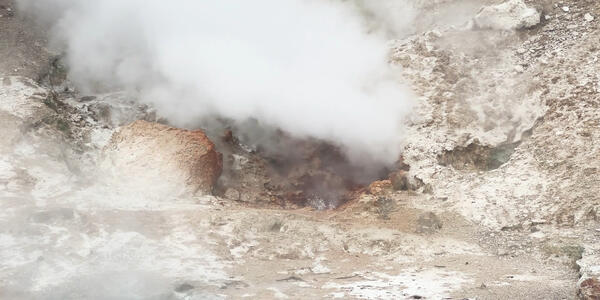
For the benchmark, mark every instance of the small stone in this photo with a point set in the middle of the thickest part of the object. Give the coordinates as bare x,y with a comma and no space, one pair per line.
87,98
547,17
320,269
588,17
246,198
519,69
232,194
565,8
436,33
538,221
521,50
428,223
428,189
184,288
538,235
276,226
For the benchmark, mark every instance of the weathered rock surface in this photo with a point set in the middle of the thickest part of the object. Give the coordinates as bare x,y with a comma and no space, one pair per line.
510,15
380,187
532,128
21,106
117,109
400,181
22,98
174,158
589,289
428,223
232,194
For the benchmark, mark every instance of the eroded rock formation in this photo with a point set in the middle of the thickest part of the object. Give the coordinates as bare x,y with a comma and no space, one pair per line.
162,154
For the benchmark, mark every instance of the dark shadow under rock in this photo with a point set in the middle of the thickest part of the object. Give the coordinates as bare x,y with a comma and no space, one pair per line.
477,157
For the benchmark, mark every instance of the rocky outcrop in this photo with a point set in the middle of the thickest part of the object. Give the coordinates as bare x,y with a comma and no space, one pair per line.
589,289
180,160
22,106
510,15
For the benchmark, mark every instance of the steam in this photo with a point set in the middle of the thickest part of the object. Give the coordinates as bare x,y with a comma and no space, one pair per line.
314,68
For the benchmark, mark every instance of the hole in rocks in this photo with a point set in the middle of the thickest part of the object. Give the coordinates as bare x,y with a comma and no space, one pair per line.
477,157
184,288
263,165
311,173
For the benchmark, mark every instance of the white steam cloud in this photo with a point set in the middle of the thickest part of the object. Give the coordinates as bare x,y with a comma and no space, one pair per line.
313,68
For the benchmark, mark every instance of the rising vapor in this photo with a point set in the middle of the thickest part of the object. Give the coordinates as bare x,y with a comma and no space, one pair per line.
312,68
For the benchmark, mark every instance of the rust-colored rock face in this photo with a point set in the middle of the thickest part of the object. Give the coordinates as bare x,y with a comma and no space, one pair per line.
380,187
589,289
158,153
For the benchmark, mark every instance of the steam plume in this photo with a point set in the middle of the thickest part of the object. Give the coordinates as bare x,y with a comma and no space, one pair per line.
310,67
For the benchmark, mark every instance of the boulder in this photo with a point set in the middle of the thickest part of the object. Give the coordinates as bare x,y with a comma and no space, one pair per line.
589,289
510,15
156,155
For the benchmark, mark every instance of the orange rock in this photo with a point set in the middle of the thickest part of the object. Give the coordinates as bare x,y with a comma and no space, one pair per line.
380,187
183,159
